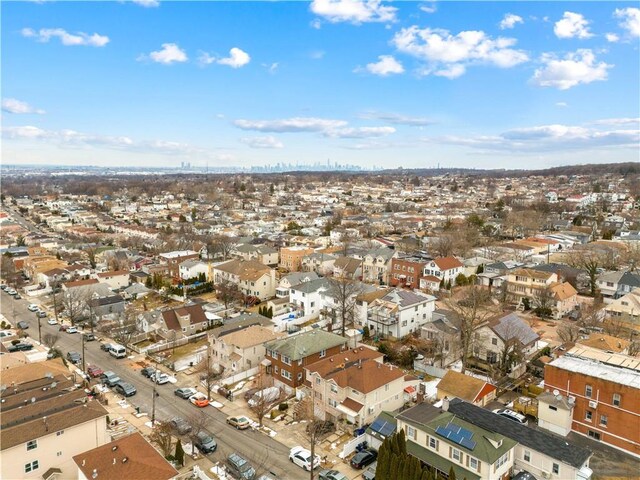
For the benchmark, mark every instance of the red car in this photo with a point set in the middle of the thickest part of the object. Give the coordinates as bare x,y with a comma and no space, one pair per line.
94,371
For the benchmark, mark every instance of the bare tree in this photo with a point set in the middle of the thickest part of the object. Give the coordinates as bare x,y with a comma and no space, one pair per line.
227,292
634,348
314,428
442,246
221,246
568,332
74,303
162,436
91,255
473,310
207,373
50,339
543,300
344,291
199,422
261,402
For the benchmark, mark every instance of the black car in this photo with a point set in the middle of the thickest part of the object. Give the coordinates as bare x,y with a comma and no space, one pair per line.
363,458
74,357
20,347
125,389
148,372
105,347
205,442
23,325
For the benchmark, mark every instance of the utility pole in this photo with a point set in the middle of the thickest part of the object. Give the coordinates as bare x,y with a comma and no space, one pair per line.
83,363
153,402
39,330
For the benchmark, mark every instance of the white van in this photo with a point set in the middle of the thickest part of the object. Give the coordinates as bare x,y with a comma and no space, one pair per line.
118,351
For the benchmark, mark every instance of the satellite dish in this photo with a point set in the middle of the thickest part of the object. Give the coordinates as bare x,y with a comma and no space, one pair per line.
33,399
54,384
556,393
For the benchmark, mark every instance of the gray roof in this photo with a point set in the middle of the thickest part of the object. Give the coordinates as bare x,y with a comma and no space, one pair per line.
407,298
384,252
512,326
301,345
241,322
296,278
312,286
546,443
136,288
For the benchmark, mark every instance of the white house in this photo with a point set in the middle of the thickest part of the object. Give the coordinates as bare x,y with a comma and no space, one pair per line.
444,268
192,269
399,313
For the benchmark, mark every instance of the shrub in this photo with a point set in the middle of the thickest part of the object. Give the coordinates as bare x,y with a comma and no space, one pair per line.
283,406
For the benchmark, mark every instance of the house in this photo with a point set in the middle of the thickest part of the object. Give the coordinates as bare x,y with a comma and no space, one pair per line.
104,306
445,269
45,420
286,358
291,280
506,340
189,319
375,265
525,284
135,291
238,323
406,272
193,269
398,313
607,343
626,309
355,385
251,277
471,389
564,299
306,297
443,332
318,262
495,274
127,457
347,267
291,257
172,260
605,388
242,349
115,280
613,285
261,253
578,278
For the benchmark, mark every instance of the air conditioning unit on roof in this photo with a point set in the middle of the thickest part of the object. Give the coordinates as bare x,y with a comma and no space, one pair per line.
593,404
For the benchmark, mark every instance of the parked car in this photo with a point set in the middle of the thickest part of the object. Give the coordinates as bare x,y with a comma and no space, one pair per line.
184,392
331,475
363,458
89,337
74,357
199,399
17,297
146,371
63,328
52,321
240,468
41,314
19,347
33,307
160,378
22,325
180,425
105,347
205,442
239,422
94,371
126,389
110,378
72,330
511,415
11,291
302,457
370,472
4,286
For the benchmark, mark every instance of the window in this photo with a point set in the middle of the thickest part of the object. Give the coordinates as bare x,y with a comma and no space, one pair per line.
59,454
527,456
411,432
474,463
494,341
333,403
285,374
323,353
313,304
456,454
594,435
433,443
60,432
603,420
556,468
275,369
300,376
588,391
588,415
286,360
31,445
31,466
318,381
616,399
334,388
551,407
501,461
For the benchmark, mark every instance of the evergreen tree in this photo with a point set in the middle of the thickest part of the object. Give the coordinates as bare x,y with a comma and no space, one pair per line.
402,443
179,455
269,312
395,470
452,473
382,468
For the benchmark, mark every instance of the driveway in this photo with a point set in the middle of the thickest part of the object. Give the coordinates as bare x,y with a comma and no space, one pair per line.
607,462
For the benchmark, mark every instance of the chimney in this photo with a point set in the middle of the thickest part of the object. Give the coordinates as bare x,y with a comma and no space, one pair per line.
445,404
94,474
83,462
114,460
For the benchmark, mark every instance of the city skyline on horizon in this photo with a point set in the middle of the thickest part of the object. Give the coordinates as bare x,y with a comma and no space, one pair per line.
485,85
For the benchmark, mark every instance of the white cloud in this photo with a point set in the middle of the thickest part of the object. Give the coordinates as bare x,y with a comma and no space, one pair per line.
74,139
576,68
618,121
147,3
262,142
572,25
397,119
509,21
359,132
545,138
612,37
630,19
170,53
237,58
561,104
428,7
449,55
353,11
205,59
271,68
316,23
386,65
296,124
66,38
11,105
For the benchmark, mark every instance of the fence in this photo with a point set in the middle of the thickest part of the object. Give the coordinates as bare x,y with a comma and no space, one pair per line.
166,344
350,447
239,376
430,370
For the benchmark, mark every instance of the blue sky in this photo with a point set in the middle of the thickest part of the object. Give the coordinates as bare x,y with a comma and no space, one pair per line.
366,82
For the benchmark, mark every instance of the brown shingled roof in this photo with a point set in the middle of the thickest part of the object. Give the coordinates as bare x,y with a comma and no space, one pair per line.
81,283
460,385
447,263
130,457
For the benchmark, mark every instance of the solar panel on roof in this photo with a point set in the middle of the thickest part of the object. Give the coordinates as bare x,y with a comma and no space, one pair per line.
377,425
467,443
387,429
457,434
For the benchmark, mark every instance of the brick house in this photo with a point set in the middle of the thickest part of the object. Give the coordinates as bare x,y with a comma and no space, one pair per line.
605,388
406,272
174,259
291,257
287,358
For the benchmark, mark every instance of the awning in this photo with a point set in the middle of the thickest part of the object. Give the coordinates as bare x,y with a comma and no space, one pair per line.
266,362
410,389
51,472
350,407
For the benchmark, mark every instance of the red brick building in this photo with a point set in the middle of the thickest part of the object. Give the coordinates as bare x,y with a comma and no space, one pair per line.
606,389
406,272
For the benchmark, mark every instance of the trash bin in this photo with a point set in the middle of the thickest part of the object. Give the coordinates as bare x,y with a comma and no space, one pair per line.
137,409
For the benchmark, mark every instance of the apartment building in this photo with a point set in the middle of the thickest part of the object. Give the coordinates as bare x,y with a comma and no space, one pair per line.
287,358
291,257
406,272
45,421
604,388
173,260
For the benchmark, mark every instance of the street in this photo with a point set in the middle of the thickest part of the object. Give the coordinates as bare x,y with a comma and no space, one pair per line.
265,453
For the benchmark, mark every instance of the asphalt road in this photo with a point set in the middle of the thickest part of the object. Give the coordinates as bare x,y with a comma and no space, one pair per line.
265,453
